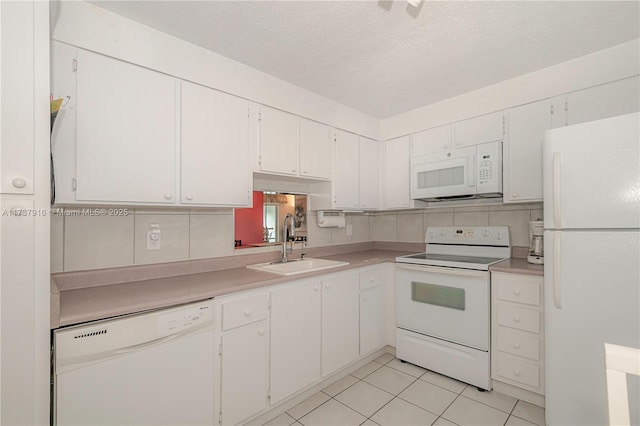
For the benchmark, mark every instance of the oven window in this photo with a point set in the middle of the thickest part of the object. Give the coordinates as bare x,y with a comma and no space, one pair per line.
431,294
441,178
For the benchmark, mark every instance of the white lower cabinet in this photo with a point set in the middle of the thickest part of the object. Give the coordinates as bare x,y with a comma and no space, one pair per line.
295,338
276,342
517,341
340,322
243,357
372,314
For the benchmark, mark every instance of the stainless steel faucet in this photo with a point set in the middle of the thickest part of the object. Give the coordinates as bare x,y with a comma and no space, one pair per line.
285,237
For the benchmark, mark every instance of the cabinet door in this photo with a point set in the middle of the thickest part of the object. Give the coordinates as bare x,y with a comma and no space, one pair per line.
369,174
477,130
315,150
607,100
396,183
126,132
346,178
371,320
523,151
340,328
278,141
17,94
244,372
433,140
214,148
295,338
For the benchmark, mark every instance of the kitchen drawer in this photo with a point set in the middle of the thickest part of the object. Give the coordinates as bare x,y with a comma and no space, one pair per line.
522,319
518,343
520,290
244,311
370,278
518,369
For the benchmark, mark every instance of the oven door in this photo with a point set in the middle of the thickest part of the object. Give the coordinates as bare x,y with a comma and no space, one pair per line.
442,175
445,303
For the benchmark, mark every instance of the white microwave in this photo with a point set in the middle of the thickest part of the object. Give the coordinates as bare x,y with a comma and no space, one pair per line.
471,172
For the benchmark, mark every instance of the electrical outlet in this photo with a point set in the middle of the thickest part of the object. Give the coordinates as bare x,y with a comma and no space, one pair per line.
349,230
154,239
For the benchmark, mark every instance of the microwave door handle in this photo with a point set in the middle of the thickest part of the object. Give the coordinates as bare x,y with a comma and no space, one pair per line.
471,172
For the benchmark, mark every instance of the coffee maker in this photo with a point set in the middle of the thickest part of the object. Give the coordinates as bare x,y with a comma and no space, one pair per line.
536,252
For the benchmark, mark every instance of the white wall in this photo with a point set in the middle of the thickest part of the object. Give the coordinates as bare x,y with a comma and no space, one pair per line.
90,27
601,67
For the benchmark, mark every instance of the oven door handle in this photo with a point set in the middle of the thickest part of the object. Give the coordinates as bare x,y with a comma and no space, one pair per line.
442,270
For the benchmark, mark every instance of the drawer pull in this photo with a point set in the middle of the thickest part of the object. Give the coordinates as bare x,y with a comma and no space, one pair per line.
516,346
516,292
247,312
364,298
516,372
261,332
516,319
316,288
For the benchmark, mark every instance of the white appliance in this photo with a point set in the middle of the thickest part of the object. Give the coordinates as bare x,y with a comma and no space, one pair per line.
471,172
443,301
536,245
592,263
155,368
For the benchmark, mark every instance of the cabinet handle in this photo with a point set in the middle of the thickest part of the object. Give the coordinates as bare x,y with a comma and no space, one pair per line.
316,288
327,286
247,312
516,372
261,332
305,171
19,182
516,346
516,319
516,292
168,196
293,170
364,298
514,195
189,197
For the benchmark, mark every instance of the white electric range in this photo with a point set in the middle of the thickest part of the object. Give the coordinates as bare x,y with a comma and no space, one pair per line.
443,299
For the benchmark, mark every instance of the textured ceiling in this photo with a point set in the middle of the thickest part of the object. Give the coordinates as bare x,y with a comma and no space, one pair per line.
384,58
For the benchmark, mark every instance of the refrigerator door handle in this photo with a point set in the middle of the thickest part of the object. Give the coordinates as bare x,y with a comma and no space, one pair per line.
557,285
556,190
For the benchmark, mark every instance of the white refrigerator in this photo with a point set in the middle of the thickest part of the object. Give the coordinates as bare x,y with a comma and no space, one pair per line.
591,264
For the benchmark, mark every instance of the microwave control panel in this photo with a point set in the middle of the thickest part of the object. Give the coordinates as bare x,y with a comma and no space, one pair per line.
489,166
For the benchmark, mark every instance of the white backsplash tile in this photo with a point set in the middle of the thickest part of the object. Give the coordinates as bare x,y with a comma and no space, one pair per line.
518,222
92,242
471,218
174,240
361,228
211,235
436,219
318,237
410,226
57,243
384,227
339,235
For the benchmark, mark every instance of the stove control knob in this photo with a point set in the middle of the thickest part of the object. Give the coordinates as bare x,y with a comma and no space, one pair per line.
432,234
486,233
499,236
443,232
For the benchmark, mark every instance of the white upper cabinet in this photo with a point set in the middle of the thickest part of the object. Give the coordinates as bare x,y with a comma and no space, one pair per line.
214,148
433,140
17,94
315,150
346,177
478,130
126,132
369,174
395,171
607,100
523,151
278,141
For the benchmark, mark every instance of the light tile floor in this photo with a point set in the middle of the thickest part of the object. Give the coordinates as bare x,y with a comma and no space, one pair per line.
389,392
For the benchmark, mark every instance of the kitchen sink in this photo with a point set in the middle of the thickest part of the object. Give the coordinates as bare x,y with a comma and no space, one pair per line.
297,266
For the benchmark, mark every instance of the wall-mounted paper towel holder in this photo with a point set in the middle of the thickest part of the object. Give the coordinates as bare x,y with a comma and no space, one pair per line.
331,219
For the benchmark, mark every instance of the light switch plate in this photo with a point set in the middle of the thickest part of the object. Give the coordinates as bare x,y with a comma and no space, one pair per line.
349,229
154,238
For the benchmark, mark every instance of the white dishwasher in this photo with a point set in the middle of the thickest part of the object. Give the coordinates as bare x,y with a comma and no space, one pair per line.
154,368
